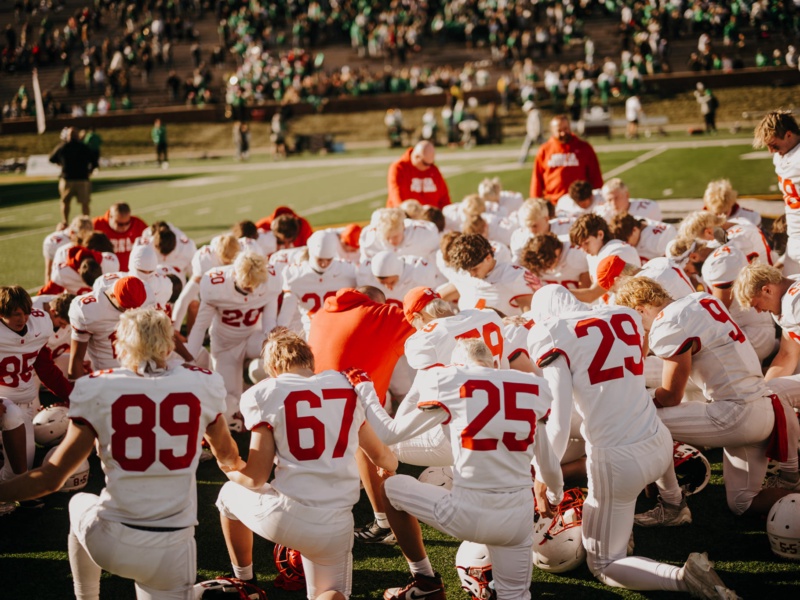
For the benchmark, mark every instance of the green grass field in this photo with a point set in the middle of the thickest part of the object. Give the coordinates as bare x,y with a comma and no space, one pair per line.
205,197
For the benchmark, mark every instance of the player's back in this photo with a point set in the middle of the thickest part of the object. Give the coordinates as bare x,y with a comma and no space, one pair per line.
315,422
433,345
603,350
492,422
311,288
149,430
236,311
724,364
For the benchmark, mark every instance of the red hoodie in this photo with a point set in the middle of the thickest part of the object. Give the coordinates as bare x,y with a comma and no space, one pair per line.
407,182
559,164
121,240
305,227
353,331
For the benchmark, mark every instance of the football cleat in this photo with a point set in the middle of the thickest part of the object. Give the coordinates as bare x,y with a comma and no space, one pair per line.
702,580
375,534
665,515
420,587
776,481
6,508
557,544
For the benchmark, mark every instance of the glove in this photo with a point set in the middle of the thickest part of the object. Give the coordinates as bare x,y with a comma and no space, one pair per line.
356,376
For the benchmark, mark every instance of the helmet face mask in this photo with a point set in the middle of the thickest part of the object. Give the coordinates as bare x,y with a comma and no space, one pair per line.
557,544
783,527
291,575
474,567
691,468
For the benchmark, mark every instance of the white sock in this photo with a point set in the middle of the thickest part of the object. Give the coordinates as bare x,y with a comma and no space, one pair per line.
421,567
243,573
381,520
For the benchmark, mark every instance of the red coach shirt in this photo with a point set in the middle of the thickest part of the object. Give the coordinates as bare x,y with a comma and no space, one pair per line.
353,331
121,240
406,182
559,164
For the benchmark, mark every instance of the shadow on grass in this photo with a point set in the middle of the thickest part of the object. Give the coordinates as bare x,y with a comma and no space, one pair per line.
18,194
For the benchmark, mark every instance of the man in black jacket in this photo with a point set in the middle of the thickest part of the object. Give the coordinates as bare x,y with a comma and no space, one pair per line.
77,162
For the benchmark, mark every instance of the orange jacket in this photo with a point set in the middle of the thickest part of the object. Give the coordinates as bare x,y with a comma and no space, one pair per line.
406,182
353,331
557,165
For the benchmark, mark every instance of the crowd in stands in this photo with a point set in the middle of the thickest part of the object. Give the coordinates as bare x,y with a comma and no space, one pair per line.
274,46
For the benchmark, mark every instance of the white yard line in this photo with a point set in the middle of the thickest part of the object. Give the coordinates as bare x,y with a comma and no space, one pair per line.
635,162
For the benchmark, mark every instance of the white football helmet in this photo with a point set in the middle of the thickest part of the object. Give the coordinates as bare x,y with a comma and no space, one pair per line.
557,545
227,588
441,476
474,567
77,480
691,467
50,425
783,527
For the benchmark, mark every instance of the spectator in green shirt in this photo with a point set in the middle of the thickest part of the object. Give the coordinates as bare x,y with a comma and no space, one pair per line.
159,136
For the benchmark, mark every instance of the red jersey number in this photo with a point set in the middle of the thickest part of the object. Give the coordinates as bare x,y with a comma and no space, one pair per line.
495,402
16,368
237,318
716,310
295,423
613,329
135,416
492,337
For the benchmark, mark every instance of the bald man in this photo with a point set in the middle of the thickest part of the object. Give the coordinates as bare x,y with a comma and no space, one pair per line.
415,177
562,159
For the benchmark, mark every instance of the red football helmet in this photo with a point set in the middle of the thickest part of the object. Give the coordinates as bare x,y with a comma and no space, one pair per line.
289,563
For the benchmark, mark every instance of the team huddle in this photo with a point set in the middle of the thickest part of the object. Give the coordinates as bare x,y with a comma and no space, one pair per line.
515,348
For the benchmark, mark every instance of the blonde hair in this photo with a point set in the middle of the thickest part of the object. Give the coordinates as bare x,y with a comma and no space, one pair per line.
751,280
489,189
436,309
720,197
143,335
80,226
473,205
641,291
612,185
472,351
775,124
475,224
250,270
694,223
388,221
284,350
413,209
226,247
532,210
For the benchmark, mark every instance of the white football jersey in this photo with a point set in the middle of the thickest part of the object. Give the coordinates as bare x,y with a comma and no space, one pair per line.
639,208
231,314
149,429
17,355
502,287
724,364
758,327
310,288
751,241
59,340
654,239
433,345
603,349
492,419
515,338
60,271
740,214
669,275
567,271
288,256
53,242
416,272
204,260
567,207
180,258
315,422
787,168
613,248
94,320
420,238
789,319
